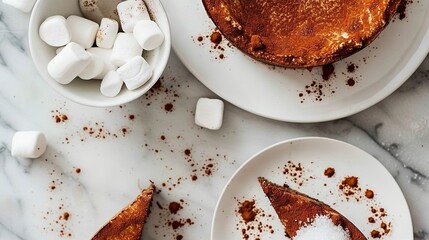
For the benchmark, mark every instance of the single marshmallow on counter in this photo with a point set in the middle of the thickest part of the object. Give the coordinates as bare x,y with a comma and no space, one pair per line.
30,144
94,68
111,84
69,63
209,113
148,34
130,12
23,5
124,49
107,33
55,31
83,30
105,55
135,72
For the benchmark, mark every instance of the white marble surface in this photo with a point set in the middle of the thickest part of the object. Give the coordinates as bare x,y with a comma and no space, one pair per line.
115,168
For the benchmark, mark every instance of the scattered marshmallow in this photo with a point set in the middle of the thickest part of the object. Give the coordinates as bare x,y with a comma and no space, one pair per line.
98,10
94,68
135,72
107,33
105,55
69,63
209,113
130,12
83,30
23,5
124,49
55,31
148,34
29,144
111,84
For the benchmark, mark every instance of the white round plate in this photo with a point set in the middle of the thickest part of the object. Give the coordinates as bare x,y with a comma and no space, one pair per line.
274,93
314,155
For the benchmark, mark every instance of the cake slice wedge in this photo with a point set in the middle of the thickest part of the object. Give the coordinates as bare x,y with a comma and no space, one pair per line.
297,210
128,223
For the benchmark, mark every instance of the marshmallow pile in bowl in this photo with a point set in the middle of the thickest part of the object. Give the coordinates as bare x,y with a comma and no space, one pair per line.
71,51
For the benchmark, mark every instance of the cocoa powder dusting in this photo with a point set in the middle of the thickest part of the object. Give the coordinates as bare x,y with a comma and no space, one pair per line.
187,152
174,207
350,82
351,68
327,71
247,210
369,194
375,234
329,172
402,8
66,216
351,181
216,37
168,107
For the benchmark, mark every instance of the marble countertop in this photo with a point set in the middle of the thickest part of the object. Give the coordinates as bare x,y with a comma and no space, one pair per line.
120,149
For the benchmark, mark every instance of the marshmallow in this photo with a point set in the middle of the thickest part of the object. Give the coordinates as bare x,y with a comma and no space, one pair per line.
83,30
29,144
96,10
125,48
55,31
94,68
209,113
105,56
59,50
135,72
69,63
107,33
23,5
148,34
111,84
130,12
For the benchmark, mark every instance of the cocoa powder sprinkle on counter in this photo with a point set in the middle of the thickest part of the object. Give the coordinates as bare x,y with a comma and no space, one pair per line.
187,152
168,107
66,216
329,172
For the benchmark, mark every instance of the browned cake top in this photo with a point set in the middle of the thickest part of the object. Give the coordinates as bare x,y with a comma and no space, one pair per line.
300,33
295,209
128,224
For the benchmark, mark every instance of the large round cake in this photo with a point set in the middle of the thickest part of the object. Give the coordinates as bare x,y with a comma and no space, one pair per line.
300,33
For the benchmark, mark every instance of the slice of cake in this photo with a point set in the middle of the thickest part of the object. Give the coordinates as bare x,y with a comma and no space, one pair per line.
300,213
128,223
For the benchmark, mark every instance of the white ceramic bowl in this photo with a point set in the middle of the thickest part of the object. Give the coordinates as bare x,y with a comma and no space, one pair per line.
88,92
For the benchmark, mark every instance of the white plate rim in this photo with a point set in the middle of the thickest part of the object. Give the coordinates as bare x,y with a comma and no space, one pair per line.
405,73
291,141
